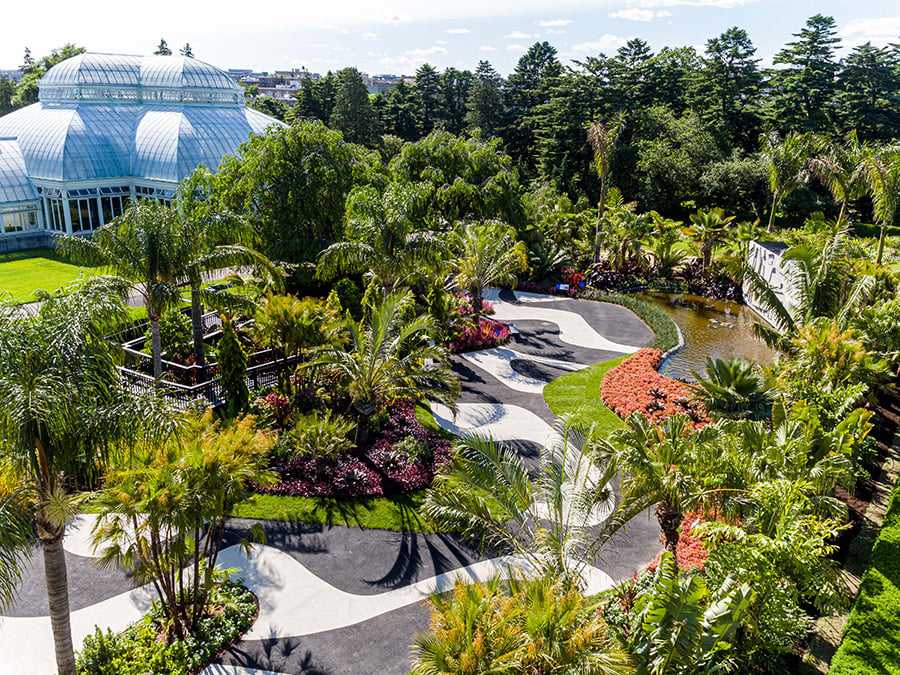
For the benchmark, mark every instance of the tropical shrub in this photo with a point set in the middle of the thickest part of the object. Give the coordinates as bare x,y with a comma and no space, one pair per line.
139,650
634,386
317,437
486,334
174,333
731,389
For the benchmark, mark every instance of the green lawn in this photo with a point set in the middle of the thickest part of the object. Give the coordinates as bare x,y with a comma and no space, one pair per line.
23,272
398,512
578,394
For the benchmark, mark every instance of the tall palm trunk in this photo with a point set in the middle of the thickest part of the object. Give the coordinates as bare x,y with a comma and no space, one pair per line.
881,237
155,343
771,227
58,596
670,523
197,324
597,248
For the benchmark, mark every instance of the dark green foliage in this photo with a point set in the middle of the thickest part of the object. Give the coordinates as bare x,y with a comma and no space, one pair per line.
350,296
870,638
7,92
137,651
292,182
271,107
315,100
33,71
233,368
484,105
868,97
353,114
174,332
731,389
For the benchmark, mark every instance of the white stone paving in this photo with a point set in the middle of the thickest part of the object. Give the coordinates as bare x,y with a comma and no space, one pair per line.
500,421
498,362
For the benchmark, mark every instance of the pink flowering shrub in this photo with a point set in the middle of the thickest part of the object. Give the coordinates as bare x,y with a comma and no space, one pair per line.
488,333
465,307
272,408
403,457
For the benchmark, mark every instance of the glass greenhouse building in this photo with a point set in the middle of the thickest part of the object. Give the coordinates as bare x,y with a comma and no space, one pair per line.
109,128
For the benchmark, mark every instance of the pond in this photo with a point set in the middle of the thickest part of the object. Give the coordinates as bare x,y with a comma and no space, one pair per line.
714,328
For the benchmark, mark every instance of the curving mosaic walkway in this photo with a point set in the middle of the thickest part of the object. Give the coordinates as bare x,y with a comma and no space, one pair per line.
344,600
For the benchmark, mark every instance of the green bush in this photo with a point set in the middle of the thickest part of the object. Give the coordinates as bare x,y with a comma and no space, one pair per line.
870,643
350,296
137,651
175,333
872,230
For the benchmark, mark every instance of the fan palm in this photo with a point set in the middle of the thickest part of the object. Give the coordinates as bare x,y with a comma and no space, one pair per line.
391,357
550,521
710,230
659,465
381,238
841,168
485,254
787,163
61,414
883,171
603,138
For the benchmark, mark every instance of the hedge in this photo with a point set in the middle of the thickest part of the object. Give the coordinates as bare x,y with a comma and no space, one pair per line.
871,642
871,230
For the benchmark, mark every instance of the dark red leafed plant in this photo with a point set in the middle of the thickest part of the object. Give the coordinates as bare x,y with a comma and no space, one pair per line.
488,333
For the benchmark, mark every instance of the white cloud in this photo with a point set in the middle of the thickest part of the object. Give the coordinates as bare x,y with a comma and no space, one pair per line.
553,23
551,31
518,35
516,48
724,4
458,31
369,36
488,48
638,14
605,42
877,31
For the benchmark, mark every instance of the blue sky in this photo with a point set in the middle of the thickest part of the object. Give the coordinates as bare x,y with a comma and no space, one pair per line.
397,36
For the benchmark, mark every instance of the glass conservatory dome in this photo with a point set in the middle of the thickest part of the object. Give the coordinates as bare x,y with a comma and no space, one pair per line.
112,127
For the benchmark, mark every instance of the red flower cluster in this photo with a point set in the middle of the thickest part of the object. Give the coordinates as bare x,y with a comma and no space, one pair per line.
691,552
635,386
487,334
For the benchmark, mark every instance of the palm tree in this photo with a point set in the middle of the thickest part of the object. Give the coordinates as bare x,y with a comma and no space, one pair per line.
787,163
15,537
710,229
883,170
484,254
142,248
60,415
823,283
391,357
659,466
841,169
213,239
603,139
381,239
730,389
556,521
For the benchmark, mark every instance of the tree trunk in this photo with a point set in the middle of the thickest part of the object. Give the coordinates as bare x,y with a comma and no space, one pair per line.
771,227
362,421
477,305
597,231
881,236
155,345
670,524
197,323
58,597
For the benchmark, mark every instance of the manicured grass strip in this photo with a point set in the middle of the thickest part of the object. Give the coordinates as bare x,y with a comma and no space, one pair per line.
871,642
23,272
578,394
664,329
398,512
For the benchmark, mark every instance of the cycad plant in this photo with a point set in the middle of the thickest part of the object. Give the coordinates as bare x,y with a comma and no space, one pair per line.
732,389
556,522
485,254
390,356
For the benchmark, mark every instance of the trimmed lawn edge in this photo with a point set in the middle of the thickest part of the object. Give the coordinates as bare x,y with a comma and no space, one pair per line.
578,395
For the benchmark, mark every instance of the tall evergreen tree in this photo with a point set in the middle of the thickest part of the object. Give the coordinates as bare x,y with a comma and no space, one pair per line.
485,106
630,75
430,95
726,90
529,85
398,112
162,49
315,100
869,92
33,70
803,92
455,86
353,114
7,92
187,51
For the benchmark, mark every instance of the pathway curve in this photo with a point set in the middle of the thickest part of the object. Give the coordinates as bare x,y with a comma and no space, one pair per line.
345,600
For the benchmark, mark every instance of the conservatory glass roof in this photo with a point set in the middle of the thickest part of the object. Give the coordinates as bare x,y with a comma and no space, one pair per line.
105,116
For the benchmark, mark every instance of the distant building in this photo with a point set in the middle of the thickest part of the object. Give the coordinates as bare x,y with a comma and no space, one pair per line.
110,128
381,84
240,74
14,75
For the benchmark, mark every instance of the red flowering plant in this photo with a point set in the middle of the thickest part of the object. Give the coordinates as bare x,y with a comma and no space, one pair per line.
273,408
635,386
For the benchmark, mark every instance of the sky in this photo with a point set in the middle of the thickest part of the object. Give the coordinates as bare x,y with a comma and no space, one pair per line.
398,36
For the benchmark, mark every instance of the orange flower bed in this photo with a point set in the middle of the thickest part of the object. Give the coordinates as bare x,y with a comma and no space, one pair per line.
635,386
691,553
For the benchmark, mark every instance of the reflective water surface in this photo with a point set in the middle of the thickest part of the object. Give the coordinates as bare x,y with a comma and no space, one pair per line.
715,328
